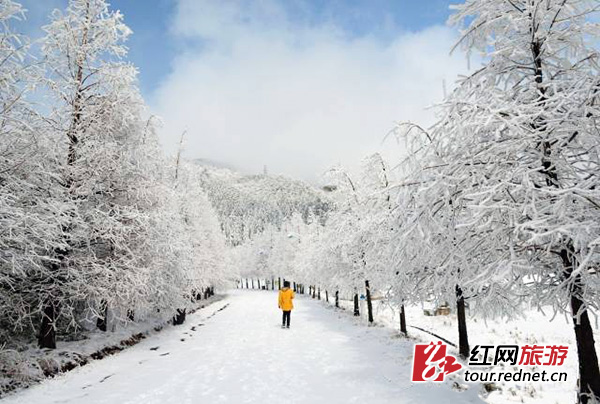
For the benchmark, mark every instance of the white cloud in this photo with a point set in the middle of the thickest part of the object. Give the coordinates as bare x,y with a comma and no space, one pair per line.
259,88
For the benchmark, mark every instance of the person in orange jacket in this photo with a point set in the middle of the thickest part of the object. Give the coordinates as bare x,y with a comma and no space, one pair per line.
286,295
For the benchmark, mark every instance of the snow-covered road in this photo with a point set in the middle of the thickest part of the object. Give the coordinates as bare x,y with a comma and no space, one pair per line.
241,355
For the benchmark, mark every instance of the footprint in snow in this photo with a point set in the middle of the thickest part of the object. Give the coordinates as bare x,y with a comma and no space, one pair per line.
165,354
154,348
106,377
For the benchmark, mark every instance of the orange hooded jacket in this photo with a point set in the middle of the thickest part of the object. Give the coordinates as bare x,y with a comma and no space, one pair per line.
285,299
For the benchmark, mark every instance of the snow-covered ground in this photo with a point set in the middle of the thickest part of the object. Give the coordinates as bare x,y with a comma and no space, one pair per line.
234,351
26,364
533,327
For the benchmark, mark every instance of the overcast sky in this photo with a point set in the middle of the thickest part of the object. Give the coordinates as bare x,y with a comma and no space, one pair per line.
296,85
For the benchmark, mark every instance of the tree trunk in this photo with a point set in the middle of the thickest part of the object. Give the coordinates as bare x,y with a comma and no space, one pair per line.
319,293
356,310
295,287
337,299
47,336
369,303
279,283
247,284
252,283
179,318
589,374
327,296
102,321
463,338
272,283
314,292
403,321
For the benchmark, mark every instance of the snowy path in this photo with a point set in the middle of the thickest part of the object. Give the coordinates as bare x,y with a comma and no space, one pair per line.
241,355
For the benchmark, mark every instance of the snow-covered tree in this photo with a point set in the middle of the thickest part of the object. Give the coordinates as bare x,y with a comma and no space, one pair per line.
347,255
96,120
208,265
33,218
95,226
508,189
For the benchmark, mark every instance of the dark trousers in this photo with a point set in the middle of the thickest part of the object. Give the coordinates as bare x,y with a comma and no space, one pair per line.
286,317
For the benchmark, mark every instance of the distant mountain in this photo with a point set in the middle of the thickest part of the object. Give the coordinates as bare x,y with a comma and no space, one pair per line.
248,204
